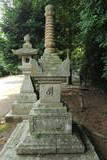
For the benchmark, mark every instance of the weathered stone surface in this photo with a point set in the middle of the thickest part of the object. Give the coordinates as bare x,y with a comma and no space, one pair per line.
26,99
48,118
9,151
50,61
39,108
53,66
20,108
49,136
70,144
24,102
49,79
48,144
49,29
10,117
36,69
50,93
27,86
50,125
39,145
26,53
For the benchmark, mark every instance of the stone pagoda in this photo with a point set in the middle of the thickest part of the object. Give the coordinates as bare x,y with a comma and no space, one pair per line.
49,133
24,102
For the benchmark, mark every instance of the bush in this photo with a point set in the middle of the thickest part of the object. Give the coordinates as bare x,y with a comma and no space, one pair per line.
3,71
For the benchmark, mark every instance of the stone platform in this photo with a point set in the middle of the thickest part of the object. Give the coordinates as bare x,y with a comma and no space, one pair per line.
9,150
10,117
50,144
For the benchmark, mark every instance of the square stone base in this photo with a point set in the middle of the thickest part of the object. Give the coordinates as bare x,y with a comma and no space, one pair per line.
10,117
9,150
50,144
20,108
19,112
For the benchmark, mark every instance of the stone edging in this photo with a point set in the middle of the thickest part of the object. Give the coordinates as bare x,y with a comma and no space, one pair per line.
98,134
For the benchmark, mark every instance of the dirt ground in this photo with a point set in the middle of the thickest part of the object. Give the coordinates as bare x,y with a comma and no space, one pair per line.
9,89
94,114
5,134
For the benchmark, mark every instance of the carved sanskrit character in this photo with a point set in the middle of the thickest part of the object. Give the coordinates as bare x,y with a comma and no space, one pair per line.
49,92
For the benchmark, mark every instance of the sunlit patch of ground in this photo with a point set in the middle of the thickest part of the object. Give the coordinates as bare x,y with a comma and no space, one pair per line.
9,89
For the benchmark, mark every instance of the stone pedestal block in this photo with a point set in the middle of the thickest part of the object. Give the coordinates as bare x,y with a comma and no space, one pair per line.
50,144
24,102
10,150
50,119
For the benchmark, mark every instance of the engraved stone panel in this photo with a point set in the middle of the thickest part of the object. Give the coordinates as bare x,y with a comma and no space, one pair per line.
50,93
51,124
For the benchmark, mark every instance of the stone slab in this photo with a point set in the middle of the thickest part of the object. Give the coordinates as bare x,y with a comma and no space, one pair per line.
27,86
27,98
10,117
38,145
70,144
50,119
9,150
21,108
50,125
50,93
49,144
41,108
49,79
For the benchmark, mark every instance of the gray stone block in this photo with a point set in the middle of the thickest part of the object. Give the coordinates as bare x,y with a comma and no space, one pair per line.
27,98
70,144
50,93
21,108
45,119
9,150
49,144
39,145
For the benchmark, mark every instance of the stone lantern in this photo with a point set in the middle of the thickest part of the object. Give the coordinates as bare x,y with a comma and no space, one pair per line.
26,53
24,102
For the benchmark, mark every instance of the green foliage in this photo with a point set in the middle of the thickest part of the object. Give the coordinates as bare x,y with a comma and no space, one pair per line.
105,67
3,69
17,22
28,17
93,24
4,127
77,57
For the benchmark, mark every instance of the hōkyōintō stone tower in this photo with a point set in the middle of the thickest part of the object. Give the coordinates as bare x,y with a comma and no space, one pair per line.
49,133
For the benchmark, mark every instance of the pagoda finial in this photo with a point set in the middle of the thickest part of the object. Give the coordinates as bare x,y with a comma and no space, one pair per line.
27,43
49,29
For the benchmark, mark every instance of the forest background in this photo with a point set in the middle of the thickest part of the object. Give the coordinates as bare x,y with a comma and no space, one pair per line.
80,28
